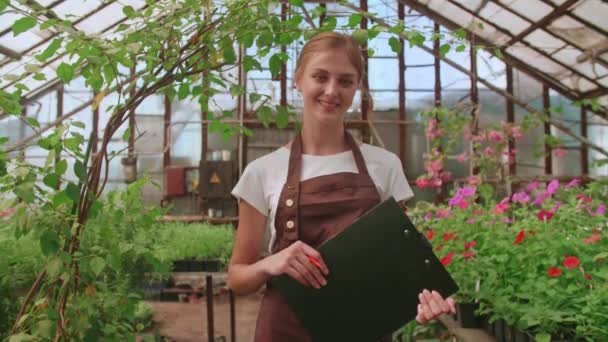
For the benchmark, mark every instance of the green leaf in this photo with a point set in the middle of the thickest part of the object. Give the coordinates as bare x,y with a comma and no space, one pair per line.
360,36
23,25
72,191
97,265
254,97
264,39
282,117
600,256
33,122
80,171
444,49
251,63
129,11
184,90
44,328
265,115
298,3
543,337
236,90
61,167
61,198
50,50
330,23
229,54
395,44
32,68
126,135
461,48
416,39
78,124
53,268
51,180
275,64
25,191
49,242
40,77
354,20
3,5
65,72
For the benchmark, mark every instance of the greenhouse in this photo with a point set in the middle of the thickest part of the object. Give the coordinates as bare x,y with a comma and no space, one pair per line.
198,170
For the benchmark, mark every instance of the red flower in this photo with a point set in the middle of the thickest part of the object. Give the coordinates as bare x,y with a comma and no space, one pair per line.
469,244
446,260
593,238
544,215
588,276
429,234
571,262
584,198
468,255
520,237
448,236
554,272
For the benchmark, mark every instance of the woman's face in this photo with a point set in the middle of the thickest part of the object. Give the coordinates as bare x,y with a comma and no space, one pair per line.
328,82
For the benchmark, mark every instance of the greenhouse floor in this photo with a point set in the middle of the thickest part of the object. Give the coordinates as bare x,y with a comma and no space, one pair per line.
185,322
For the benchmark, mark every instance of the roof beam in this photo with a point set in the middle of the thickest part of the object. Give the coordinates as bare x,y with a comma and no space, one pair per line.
582,20
528,45
557,12
9,53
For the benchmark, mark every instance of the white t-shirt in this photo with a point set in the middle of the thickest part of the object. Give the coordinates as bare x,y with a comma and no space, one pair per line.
263,179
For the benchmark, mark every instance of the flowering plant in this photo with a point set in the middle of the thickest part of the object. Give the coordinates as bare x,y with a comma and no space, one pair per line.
536,258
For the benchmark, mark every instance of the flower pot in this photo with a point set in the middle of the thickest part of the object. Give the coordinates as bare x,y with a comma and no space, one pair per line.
486,325
181,266
520,336
465,314
499,330
212,265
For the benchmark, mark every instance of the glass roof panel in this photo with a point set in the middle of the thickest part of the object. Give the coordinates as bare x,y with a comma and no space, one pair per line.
107,16
21,42
575,31
7,19
531,9
604,82
457,15
568,56
470,4
504,18
594,11
537,60
72,9
578,84
544,41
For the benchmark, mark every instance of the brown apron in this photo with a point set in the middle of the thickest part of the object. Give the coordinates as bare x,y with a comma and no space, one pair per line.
311,211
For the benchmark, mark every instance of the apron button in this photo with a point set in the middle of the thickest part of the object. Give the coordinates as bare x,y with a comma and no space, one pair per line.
289,203
290,224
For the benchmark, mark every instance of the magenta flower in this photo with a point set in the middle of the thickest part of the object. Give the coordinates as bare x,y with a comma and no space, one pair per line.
521,197
488,151
495,136
470,221
532,186
573,183
474,180
560,152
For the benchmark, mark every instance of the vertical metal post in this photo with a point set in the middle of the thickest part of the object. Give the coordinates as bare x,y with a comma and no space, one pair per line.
365,93
584,148
510,117
402,104
95,130
209,301
166,136
60,93
474,94
547,126
131,147
283,77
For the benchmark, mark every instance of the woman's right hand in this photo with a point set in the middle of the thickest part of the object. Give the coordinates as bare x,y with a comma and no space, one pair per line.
294,262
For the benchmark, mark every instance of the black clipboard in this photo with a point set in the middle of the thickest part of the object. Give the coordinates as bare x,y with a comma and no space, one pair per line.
378,266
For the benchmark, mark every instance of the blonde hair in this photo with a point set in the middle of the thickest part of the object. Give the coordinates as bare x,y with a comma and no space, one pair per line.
331,40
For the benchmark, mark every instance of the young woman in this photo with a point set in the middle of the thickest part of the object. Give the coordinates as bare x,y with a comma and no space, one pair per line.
295,198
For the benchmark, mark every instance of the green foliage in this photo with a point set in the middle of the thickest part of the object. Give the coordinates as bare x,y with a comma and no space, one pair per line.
502,256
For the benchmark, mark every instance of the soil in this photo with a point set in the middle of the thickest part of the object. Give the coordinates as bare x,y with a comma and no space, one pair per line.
187,322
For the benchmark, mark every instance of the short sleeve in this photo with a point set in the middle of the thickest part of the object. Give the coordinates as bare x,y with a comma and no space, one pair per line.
251,188
398,186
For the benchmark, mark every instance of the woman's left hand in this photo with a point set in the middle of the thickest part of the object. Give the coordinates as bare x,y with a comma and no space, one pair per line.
432,305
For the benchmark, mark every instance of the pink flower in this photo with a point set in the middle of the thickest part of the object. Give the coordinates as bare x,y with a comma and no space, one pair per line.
445,176
552,186
432,131
560,152
573,183
556,207
433,166
495,136
500,208
422,182
521,197
474,180
428,216
505,220
471,220
443,213
462,157
488,151
532,186
516,133
601,210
